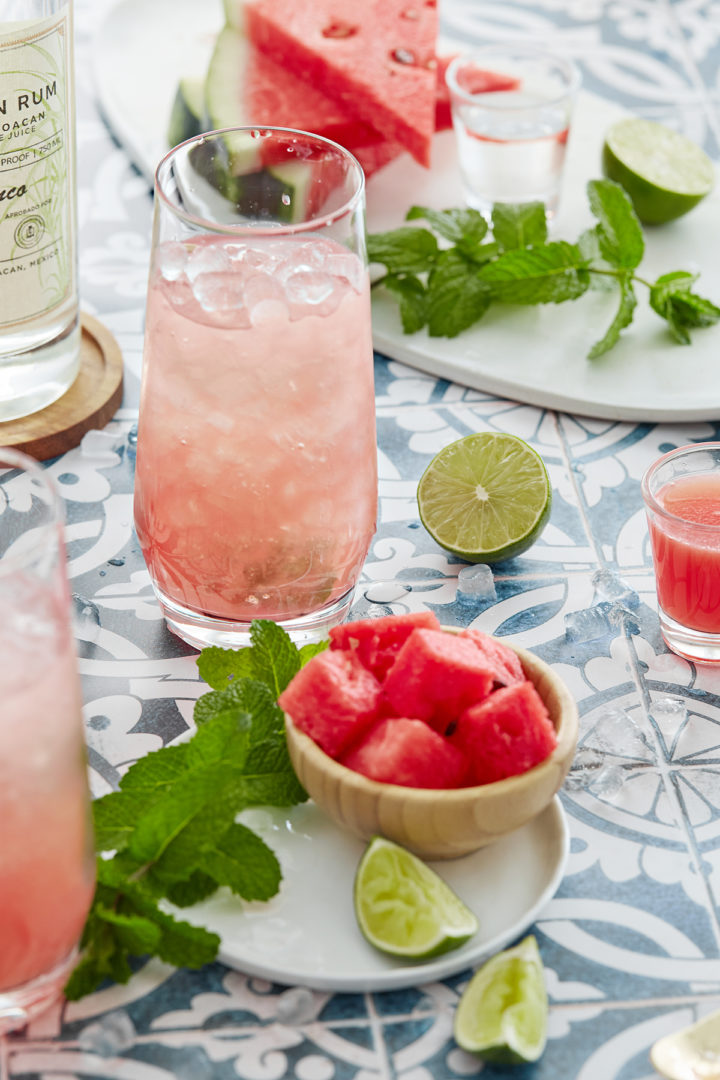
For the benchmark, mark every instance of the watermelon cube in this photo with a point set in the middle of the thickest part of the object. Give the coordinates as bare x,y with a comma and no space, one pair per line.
507,734
378,641
504,661
404,751
333,699
436,676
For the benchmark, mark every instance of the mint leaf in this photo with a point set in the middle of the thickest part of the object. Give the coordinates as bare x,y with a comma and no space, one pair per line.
673,299
546,274
519,226
409,291
196,888
312,648
180,943
622,319
275,656
244,862
456,295
403,251
134,933
620,235
465,227
218,667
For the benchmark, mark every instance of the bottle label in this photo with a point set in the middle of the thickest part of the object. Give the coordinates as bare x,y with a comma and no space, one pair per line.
36,200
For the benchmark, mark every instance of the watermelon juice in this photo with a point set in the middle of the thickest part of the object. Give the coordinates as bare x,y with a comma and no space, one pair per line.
687,558
46,858
682,498
256,480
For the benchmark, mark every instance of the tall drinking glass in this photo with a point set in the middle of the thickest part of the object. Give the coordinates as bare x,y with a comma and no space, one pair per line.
256,480
46,857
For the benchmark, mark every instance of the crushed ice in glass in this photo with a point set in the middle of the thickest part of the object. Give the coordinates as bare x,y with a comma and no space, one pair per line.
216,291
207,259
609,586
296,1006
109,1036
172,259
476,584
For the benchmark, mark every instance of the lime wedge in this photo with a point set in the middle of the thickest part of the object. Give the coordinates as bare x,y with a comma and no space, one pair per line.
502,1014
486,497
404,908
664,173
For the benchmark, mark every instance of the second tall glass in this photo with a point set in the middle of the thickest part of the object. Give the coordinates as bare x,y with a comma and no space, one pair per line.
256,482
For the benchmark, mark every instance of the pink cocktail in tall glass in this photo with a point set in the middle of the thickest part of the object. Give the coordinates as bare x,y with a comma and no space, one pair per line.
46,856
256,481
682,499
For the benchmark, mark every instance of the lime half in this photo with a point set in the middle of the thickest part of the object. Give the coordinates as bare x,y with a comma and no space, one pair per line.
502,1014
486,497
664,173
404,908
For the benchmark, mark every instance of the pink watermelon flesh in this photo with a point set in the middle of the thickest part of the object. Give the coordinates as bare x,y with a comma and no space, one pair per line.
371,58
333,699
378,641
436,676
407,752
504,661
507,734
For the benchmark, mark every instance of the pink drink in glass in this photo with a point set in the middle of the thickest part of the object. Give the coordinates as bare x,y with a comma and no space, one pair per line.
46,855
256,478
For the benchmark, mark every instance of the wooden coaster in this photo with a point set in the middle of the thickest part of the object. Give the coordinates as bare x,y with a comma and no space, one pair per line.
91,401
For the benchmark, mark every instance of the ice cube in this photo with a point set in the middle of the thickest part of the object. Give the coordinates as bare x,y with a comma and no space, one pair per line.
669,713
588,624
207,259
476,584
296,1006
171,260
260,288
310,287
615,732
219,291
108,1036
608,781
622,618
346,266
609,586
86,618
132,436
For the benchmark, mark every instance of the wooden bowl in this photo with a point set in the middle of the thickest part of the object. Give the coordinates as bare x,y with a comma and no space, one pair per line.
442,824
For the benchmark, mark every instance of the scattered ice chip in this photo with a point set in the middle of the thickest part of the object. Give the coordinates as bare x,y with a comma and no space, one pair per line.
587,763
171,260
588,624
609,586
86,618
622,618
476,583
109,1036
208,259
385,592
219,291
615,732
608,781
102,446
296,1006
132,437
669,708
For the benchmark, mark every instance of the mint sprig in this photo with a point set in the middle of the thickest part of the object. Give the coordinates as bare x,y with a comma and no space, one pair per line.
169,834
446,277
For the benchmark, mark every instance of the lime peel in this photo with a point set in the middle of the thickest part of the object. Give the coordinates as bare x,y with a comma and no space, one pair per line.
485,497
404,908
502,1013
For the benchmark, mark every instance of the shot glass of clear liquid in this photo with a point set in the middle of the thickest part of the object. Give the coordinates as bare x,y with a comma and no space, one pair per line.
511,108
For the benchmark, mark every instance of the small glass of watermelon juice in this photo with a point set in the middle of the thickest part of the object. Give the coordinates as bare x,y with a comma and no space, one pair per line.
682,500
256,479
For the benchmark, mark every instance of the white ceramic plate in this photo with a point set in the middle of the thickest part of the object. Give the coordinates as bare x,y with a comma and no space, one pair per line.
533,354
307,934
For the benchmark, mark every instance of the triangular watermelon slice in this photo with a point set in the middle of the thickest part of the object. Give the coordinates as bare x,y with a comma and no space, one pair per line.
377,58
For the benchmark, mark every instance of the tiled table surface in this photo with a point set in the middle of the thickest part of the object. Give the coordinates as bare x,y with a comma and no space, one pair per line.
631,941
